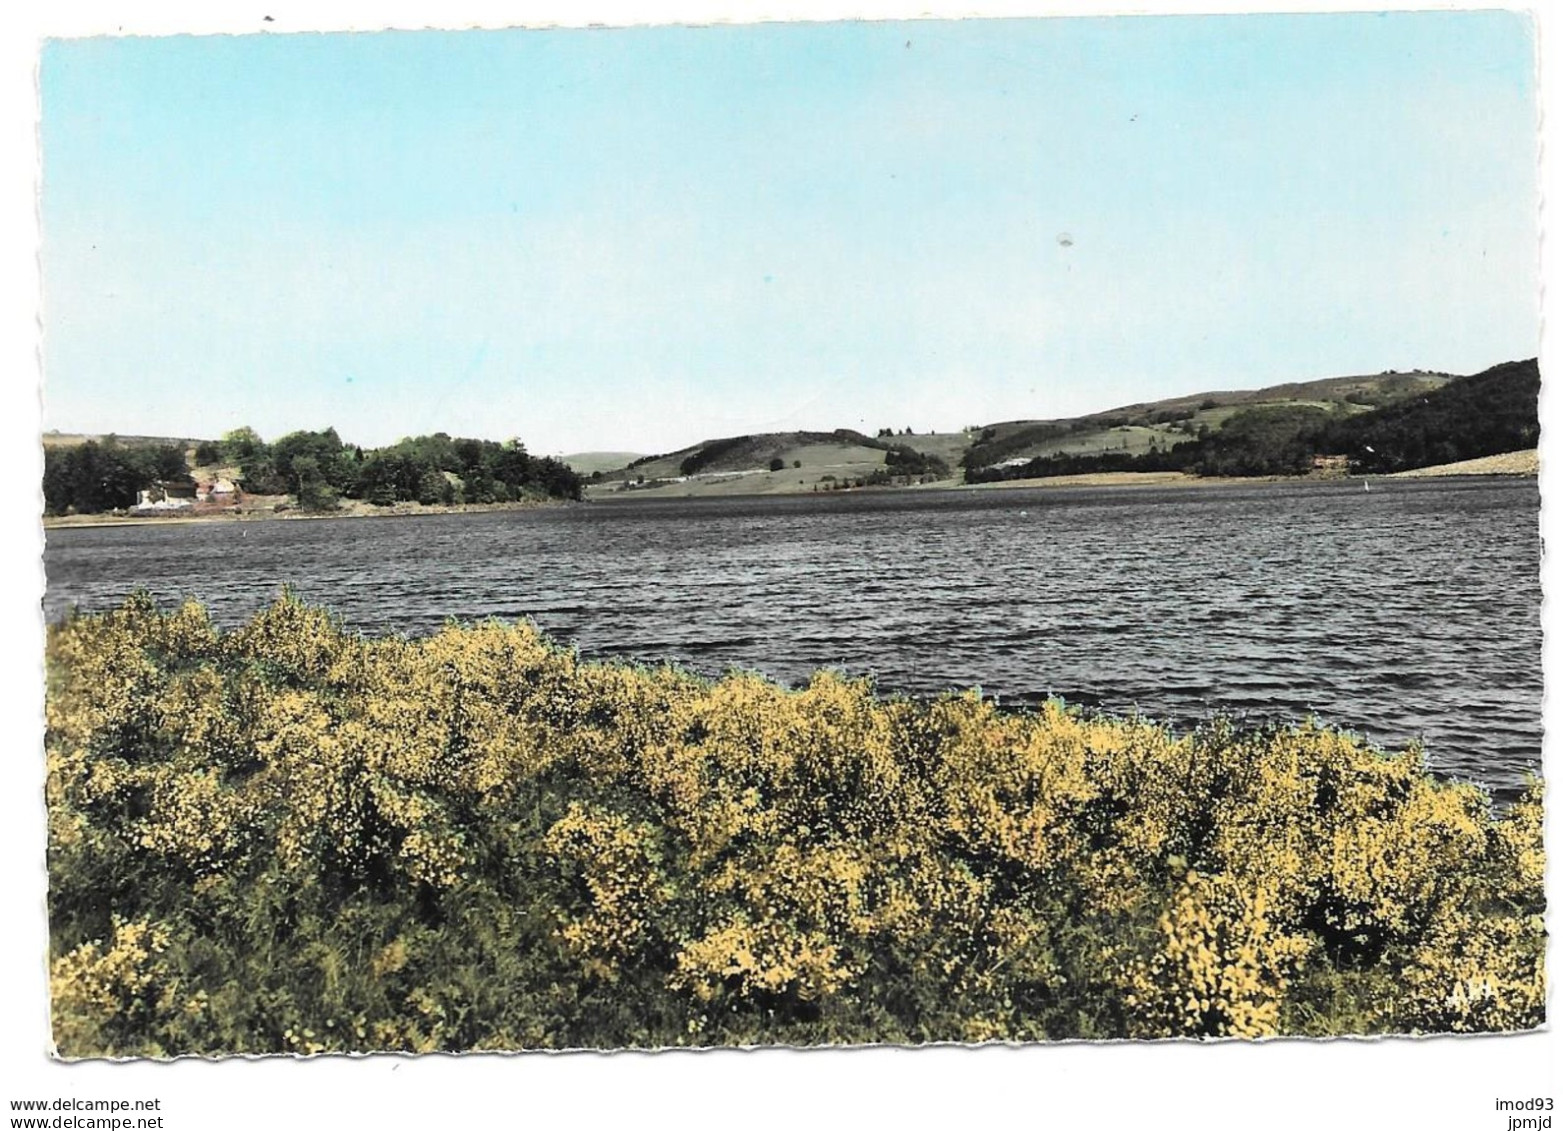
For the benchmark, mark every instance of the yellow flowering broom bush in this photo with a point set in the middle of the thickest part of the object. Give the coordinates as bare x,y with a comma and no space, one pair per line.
287,838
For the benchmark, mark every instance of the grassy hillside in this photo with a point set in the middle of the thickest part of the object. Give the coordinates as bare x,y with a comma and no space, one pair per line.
1139,428
794,462
778,463
1416,425
947,446
750,452
584,463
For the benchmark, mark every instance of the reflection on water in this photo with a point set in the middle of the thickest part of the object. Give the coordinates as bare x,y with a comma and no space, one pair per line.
1408,611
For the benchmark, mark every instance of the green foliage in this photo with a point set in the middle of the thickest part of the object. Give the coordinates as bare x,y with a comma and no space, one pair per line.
319,469
242,445
311,485
1176,458
901,460
290,839
258,471
991,448
740,452
710,453
1270,440
93,477
1486,414
433,488
419,468
313,463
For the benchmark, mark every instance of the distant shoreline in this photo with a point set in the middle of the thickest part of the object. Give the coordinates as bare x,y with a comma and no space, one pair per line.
355,509
1514,465
1510,465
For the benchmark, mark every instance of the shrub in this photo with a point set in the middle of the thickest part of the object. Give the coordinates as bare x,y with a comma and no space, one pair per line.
286,838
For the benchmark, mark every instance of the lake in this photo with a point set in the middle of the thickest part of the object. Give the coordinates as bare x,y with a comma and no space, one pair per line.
1408,611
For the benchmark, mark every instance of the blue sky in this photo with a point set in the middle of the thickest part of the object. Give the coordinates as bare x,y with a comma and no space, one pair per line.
639,238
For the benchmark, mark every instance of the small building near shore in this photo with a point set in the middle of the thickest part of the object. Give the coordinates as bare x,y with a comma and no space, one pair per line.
166,495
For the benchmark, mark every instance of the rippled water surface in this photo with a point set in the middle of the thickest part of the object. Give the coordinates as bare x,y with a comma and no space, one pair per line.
1408,611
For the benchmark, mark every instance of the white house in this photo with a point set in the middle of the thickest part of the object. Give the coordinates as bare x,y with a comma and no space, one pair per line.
165,496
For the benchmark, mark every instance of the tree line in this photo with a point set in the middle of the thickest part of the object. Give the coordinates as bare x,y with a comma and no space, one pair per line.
316,468
319,469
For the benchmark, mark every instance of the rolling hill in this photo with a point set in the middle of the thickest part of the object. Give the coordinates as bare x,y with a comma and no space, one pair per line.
778,463
1139,428
1273,430
584,463
1457,418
